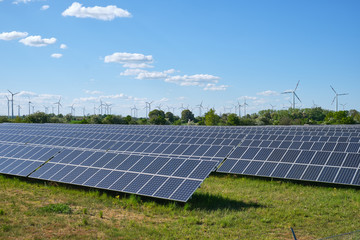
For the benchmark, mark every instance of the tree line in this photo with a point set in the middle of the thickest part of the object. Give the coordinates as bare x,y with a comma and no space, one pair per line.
311,116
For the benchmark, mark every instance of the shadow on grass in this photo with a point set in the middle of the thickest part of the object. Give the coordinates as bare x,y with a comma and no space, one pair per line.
211,202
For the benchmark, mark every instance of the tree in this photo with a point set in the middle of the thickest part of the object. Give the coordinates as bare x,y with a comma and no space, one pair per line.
187,115
113,119
211,118
95,119
170,116
38,117
233,120
157,117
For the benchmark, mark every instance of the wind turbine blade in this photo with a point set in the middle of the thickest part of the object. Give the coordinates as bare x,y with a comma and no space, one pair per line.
286,92
333,89
342,94
297,85
333,101
297,96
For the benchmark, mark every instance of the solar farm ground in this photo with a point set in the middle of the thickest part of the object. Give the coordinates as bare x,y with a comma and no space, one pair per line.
225,207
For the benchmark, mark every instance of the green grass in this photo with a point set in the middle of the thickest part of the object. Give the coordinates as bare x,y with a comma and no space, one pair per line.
225,207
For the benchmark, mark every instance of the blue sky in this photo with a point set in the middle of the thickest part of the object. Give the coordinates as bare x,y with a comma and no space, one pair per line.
175,53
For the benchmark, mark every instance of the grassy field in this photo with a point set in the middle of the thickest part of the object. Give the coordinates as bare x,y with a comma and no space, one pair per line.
225,207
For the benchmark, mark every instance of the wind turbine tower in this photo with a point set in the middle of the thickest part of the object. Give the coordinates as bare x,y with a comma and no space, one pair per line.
245,104
239,107
19,107
12,103
59,104
293,92
148,107
29,105
200,106
8,104
337,98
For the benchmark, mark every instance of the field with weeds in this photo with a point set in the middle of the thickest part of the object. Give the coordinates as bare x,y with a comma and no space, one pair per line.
225,207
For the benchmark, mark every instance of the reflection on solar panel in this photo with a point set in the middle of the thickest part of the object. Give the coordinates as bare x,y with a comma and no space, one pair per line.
22,160
171,162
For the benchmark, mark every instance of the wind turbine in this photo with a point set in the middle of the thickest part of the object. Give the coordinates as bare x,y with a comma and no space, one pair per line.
182,108
343,105
107,107
293,92
46,109
29,105
8,104
245,104
84,111
101,107
148,107
337,97
272,106
19,107
72,109
200,106
12,103
59,104
159,107
239,108
134,111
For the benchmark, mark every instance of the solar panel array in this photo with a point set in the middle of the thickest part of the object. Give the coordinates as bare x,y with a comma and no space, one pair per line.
323,154
171,162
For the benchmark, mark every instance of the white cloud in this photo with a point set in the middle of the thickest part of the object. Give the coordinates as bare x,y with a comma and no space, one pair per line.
247,97
268,93
155,75
164,99
214,87
63,46
21,1
37,41
135,60
44,7
193,80
137,65
12,35
56,55
92,92
132,72
107,13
